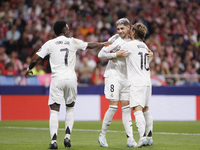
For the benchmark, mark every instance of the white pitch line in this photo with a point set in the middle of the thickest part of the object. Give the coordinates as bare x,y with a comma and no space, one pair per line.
90,130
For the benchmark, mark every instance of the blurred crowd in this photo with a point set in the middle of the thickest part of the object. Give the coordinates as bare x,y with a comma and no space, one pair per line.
173,35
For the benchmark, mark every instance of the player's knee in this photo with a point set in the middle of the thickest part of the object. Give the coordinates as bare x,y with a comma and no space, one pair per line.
124,103
55,107
146,108
70,105
113,102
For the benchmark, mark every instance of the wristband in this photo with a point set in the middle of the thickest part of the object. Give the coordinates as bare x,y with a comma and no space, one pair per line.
28,70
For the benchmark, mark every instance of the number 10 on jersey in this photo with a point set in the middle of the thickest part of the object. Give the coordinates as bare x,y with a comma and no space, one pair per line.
143,60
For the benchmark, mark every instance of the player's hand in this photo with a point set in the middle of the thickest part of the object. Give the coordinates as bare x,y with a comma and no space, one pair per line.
27,73
122,53
149,54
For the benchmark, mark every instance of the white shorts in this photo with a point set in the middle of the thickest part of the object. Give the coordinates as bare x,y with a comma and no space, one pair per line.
115,89
140,95
63,90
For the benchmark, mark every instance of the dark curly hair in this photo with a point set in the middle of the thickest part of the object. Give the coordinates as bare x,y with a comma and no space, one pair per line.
58,27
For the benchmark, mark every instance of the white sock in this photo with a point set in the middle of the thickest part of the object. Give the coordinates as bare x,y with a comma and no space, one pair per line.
127,122
140,122
53,125
107,119
69,121
149,123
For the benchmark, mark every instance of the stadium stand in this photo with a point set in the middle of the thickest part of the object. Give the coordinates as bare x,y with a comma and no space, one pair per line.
173,33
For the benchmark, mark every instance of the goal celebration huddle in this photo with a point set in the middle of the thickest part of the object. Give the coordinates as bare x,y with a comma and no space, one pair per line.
127,80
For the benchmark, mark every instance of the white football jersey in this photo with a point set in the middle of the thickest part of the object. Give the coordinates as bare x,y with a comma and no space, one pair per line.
137,63
117,66
62,55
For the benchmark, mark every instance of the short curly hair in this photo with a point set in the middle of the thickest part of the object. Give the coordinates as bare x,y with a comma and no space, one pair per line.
58,27
123,21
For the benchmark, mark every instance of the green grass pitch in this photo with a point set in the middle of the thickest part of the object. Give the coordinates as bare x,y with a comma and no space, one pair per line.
34,135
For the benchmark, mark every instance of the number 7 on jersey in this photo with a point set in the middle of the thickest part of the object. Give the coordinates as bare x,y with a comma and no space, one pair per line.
66,55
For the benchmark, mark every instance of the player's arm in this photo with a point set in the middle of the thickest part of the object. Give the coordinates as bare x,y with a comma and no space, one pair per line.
97,45
103,54
111,46
32,65
106,52
149,55
122,53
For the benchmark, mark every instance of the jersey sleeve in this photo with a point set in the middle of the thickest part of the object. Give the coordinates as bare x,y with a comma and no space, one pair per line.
103,54
79,44
105,51
114,37
44,50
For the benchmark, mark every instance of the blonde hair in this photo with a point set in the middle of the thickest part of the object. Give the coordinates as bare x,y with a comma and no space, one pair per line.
140,31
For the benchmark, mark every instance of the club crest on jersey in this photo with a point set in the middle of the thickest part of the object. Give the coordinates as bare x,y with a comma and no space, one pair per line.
111,94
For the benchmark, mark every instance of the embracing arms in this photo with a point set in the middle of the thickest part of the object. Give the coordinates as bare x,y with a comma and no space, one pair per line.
106,52
92,45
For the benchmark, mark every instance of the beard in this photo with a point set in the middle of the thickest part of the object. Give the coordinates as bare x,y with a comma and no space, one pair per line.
122,35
